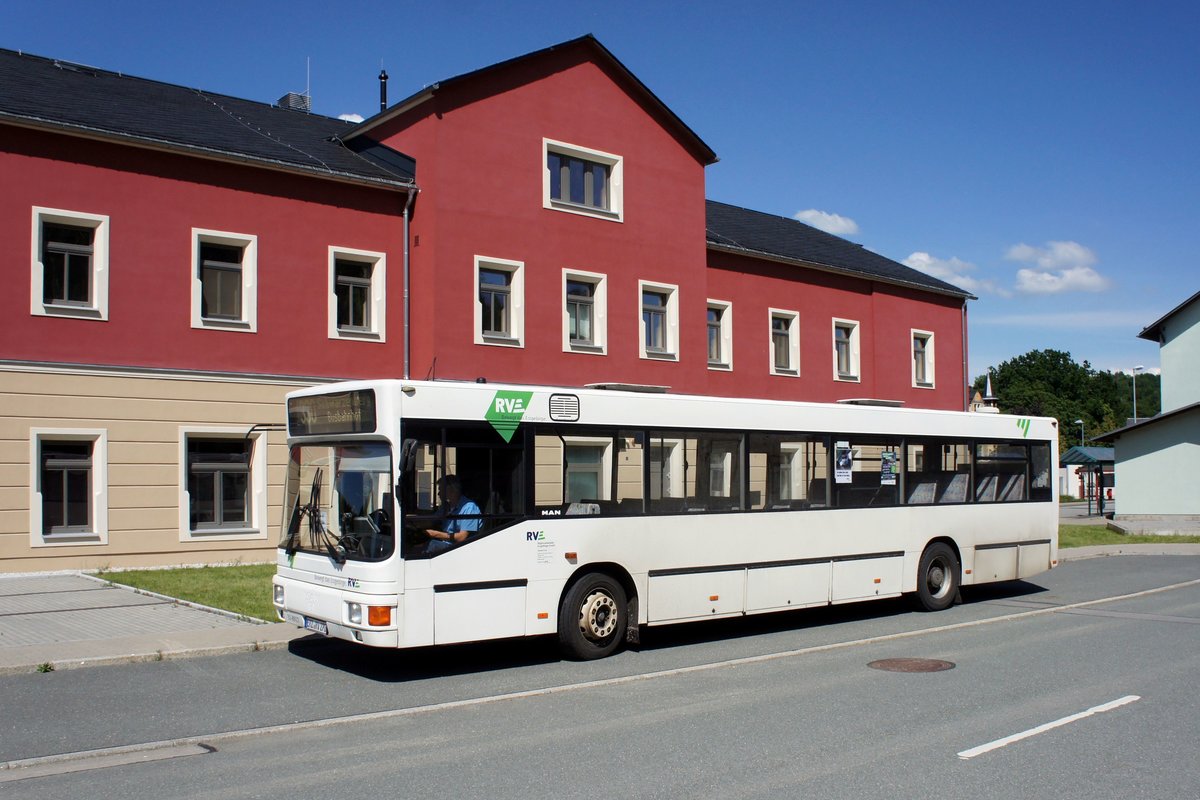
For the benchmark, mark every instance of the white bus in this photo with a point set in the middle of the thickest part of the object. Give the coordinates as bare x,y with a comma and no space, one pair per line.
423,513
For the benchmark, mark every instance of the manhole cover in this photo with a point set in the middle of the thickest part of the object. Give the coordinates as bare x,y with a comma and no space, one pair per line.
911,665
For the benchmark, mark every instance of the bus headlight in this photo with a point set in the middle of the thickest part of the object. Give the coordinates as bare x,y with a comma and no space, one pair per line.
355,613
278,595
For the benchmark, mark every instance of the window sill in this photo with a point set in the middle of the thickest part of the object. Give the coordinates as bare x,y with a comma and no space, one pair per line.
582,210
499,341
79,312
786,373
69,539
923,386
356,335
590,349
221,534
848,379
718,366
655,355
237,325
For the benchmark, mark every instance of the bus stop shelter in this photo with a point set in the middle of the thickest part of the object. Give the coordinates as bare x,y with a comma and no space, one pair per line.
1096,462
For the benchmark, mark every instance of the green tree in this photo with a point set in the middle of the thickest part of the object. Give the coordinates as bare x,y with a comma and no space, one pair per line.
1049,383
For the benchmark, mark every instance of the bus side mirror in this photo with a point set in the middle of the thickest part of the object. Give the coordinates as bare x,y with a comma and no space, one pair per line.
408,452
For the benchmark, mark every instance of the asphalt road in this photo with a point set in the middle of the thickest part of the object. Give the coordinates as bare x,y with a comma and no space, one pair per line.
779,706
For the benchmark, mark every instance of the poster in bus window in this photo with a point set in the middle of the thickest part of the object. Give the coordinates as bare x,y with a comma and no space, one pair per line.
887,468
843,463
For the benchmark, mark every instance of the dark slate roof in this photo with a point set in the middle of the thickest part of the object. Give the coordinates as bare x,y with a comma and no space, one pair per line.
760,235
593,48
56,95
1153,331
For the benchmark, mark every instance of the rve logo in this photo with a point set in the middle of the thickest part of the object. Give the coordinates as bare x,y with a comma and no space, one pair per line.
1023,424
506,410
535,536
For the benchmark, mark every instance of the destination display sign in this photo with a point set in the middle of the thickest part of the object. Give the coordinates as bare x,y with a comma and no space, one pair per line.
341,412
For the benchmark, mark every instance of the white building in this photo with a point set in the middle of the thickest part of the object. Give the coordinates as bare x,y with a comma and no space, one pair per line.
1156,458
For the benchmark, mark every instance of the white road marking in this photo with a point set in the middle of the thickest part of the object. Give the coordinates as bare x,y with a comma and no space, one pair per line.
1058,723
374,716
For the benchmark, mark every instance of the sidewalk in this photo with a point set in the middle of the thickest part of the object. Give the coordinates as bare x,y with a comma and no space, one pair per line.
71,620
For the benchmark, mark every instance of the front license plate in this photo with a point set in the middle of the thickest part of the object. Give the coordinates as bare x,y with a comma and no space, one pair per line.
305,622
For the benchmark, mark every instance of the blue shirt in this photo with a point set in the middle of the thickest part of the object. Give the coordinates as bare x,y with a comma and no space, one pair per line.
463,517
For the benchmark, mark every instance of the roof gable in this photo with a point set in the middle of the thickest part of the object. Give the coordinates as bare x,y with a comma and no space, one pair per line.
759,235
54,95
1153,331
582,49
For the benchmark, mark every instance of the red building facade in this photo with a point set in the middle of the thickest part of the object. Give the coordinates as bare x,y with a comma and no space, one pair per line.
192,257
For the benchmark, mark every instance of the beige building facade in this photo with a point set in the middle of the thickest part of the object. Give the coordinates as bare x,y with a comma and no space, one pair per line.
179,468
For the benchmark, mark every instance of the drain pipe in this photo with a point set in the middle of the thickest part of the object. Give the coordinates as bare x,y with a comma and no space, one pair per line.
966,377
412,195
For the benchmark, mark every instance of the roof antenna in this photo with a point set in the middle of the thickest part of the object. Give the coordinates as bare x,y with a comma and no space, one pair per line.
383,79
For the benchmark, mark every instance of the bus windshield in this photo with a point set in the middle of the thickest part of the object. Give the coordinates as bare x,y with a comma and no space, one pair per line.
338,501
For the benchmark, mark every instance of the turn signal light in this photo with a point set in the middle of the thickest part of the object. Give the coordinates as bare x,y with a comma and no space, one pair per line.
712,598
543,615
379,615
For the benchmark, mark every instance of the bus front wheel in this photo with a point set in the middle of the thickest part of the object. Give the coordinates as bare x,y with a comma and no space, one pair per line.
938,577
592,619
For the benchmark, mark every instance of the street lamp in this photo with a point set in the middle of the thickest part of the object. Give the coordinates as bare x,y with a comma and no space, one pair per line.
1136,370
1079,422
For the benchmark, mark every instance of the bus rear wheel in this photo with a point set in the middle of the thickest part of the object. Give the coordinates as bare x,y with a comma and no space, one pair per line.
938,577
592,618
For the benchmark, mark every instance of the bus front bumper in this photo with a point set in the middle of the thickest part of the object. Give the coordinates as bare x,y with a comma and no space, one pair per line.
339,614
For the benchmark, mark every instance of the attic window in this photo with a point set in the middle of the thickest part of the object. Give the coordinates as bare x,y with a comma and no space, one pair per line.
578,180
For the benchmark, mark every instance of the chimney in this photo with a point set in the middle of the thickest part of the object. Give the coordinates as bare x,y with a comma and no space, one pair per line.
295,101
383,90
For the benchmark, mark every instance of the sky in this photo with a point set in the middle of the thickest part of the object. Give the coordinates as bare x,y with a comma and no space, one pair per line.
1041,155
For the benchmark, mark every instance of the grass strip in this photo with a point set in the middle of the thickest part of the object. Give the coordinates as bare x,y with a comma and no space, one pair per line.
242,588
1088,535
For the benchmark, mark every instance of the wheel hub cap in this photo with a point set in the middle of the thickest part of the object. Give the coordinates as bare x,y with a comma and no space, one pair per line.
598,616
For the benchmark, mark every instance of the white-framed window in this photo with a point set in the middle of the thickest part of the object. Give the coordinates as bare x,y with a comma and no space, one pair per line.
499,302
666,468
587,466
785,342
579,180
357,294
846,350
719,334
659,303
69,264
922,359
224,281
585,312
68,486
222,484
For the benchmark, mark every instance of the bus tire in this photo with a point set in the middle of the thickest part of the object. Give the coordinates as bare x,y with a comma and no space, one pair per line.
938,577
592,618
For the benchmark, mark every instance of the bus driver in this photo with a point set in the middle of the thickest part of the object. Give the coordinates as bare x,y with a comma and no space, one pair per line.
462,517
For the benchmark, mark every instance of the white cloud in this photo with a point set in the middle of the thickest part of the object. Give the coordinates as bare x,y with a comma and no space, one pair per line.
351,117
1076,279
1055,255
1060,267
830,223
955,271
